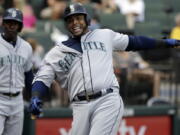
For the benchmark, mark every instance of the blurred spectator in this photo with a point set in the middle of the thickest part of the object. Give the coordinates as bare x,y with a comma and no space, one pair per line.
96,1
124,63
37,6
13,3
96,4
54,10
7,4
95,23
59,95
84,2
120,64
57,35
1,13
175,33
29,19
133,11
1,5
19,4
108,6
38,53
131,70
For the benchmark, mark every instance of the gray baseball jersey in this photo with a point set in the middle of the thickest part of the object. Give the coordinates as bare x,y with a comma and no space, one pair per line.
74,70
14,61
90,71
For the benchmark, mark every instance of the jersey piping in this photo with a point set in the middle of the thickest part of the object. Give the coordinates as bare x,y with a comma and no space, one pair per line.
89,62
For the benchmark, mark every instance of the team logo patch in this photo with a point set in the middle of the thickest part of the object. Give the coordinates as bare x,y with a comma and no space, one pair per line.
72,8
14,14
66,63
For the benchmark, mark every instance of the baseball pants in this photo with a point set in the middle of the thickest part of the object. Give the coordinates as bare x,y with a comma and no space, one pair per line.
98,117
11,115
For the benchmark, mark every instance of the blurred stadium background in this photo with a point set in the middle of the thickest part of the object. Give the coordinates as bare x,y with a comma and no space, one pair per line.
147,111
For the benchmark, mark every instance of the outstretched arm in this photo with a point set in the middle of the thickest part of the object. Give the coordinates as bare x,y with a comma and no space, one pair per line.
142,43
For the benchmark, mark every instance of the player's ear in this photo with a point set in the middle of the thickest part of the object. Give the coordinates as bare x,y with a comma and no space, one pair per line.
88,19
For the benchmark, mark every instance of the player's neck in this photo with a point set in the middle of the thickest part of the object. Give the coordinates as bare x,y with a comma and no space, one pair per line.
12,41
86,31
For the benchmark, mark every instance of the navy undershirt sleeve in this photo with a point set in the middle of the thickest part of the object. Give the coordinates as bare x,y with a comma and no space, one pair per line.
39,87
140,43
28,79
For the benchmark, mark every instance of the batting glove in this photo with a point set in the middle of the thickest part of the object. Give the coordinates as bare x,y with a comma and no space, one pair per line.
35,107
172,42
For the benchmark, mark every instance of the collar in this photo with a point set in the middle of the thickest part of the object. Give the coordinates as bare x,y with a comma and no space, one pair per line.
11,42
74,43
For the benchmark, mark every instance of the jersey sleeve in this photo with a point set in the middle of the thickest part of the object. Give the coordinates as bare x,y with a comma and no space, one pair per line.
119,41
46,74
29,64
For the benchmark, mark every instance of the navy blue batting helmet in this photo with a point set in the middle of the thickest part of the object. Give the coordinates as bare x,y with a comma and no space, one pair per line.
76,8
13,14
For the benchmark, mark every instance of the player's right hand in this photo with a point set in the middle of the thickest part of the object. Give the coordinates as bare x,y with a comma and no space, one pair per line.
35,107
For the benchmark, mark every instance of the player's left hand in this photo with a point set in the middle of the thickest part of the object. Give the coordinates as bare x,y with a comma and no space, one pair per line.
172,42
35,107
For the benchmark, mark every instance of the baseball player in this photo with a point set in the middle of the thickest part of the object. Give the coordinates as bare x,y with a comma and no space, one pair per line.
83,65
15,69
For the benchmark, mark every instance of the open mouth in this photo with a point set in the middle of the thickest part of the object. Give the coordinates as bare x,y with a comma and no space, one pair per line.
76,29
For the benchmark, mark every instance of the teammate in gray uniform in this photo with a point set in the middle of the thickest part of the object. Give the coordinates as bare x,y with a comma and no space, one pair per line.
15,69
83,65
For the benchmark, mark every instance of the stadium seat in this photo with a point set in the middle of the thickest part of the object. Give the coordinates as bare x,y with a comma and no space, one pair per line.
47,26
114,21
151,29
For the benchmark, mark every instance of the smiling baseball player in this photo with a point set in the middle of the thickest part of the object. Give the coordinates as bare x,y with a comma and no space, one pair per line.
15,69
83,65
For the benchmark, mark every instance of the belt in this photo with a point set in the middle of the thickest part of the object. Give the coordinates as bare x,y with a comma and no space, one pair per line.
92,96
11,94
